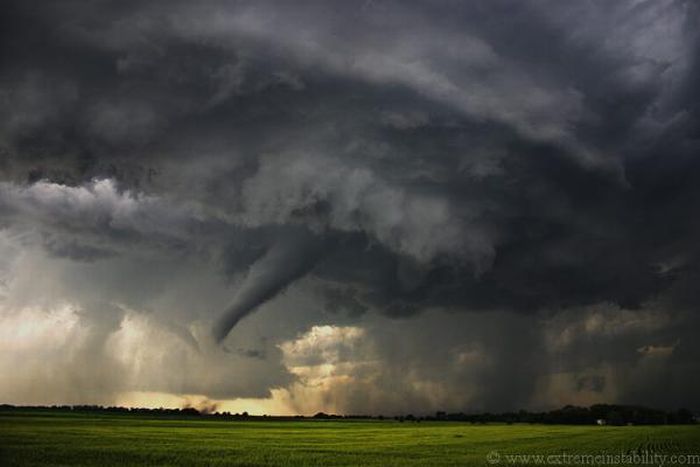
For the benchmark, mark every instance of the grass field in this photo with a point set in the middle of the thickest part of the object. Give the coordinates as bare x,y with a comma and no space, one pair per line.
75,439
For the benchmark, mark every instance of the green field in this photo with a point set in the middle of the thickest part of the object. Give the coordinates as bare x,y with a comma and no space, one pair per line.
75,439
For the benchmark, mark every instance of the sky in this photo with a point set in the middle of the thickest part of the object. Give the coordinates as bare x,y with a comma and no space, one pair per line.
371,207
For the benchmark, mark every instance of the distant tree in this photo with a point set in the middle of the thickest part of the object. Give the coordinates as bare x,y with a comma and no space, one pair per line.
615,418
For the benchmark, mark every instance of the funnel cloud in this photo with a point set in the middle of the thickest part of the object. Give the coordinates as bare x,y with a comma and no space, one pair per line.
288,259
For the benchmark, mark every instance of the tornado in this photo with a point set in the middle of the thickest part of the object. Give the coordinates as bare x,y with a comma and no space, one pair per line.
289,258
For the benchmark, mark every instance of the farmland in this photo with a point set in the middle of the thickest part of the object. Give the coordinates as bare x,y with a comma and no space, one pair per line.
90,439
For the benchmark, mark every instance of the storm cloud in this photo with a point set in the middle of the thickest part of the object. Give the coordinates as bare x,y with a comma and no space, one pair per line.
504,182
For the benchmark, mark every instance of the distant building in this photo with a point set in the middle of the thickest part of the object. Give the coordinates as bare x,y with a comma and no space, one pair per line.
601,422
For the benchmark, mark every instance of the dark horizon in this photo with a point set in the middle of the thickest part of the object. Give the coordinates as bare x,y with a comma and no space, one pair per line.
686,415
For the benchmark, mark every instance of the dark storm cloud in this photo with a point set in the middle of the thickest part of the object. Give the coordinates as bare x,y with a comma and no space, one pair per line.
469,156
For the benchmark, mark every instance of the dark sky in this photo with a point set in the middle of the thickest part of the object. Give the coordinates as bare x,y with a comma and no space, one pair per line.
350,206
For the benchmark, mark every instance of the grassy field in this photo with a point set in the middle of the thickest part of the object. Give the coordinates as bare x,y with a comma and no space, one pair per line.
74,439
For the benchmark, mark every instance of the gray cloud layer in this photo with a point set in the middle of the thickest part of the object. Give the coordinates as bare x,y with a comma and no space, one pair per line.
523,159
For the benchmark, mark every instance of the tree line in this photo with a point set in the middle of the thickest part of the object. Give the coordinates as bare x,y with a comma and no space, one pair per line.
606,414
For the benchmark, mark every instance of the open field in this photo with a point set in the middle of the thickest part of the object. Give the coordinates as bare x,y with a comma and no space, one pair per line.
77,439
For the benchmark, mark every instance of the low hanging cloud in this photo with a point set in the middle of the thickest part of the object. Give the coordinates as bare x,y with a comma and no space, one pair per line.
289,259
242,172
